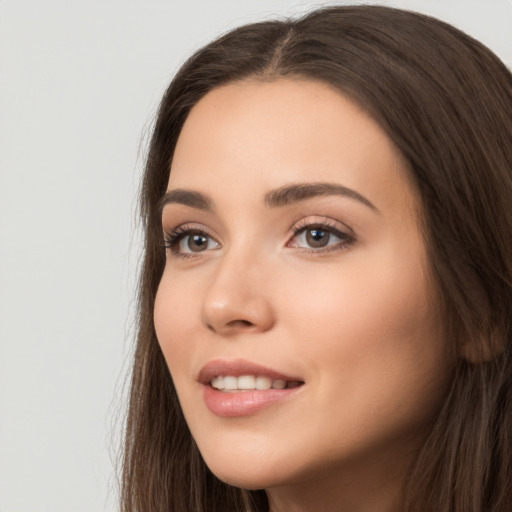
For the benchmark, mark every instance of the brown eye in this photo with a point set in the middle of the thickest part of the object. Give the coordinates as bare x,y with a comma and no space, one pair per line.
196,242
316,237
320,238
183,241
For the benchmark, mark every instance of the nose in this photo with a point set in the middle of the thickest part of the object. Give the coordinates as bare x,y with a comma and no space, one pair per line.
237,300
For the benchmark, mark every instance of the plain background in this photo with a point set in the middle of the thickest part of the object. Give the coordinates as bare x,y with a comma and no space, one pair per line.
79,85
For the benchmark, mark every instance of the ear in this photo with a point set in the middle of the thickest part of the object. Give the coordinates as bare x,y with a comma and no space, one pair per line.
483,348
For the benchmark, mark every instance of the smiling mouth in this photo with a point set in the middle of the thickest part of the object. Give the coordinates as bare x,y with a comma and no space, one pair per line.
237,384
242,388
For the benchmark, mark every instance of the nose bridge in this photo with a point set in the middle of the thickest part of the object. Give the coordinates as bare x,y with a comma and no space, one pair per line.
237,295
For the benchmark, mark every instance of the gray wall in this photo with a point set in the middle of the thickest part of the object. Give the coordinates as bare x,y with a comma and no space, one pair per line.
79,84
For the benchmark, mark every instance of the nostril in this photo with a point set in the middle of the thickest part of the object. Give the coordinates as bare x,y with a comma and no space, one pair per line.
234,324
240,323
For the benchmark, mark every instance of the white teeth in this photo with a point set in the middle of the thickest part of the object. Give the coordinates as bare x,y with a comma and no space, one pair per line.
263,382
230,383
218,383
247,382
279,384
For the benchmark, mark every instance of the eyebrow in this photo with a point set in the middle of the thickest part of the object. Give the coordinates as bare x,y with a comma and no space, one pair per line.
187,197
300,191
281,196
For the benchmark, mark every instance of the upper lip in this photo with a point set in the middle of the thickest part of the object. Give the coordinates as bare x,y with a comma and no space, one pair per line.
238,367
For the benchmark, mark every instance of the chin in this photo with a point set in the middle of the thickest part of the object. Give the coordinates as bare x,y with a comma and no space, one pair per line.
250,476
247,481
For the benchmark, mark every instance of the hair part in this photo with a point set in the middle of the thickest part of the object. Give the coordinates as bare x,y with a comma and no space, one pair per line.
445,101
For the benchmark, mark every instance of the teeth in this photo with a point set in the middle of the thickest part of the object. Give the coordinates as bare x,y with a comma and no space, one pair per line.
249,382
218,383
263,382
279,384
230,383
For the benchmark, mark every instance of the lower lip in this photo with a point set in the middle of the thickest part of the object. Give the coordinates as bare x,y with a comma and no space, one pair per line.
243,403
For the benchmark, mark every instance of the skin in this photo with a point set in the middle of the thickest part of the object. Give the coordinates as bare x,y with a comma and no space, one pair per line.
356,320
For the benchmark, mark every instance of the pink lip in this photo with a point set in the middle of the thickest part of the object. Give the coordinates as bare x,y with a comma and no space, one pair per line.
238,367
243,403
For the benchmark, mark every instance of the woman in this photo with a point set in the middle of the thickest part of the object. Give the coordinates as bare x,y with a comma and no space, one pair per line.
325,301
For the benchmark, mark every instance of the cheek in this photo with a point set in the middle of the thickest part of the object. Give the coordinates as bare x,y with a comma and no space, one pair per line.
369,334
367,301
175,318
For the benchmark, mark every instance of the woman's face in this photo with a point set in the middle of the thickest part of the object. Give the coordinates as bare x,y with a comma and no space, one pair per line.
294,254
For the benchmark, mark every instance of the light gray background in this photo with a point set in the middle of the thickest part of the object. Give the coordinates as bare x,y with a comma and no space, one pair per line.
79,85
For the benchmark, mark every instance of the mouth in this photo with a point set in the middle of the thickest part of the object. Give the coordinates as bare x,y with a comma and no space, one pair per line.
242,375
242,388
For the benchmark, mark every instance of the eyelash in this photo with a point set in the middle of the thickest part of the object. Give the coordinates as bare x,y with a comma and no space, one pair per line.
174,236
327,226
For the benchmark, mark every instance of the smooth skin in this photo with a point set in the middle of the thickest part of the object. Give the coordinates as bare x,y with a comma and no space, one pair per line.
334,288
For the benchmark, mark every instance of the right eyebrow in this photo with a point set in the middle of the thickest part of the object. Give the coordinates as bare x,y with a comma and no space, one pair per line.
187,197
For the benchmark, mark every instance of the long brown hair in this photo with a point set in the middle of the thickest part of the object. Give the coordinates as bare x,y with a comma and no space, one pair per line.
446,102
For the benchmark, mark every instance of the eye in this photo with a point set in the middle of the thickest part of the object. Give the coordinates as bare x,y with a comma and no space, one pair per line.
319,237
186,241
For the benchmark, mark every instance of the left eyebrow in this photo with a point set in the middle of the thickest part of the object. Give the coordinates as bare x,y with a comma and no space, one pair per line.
301,191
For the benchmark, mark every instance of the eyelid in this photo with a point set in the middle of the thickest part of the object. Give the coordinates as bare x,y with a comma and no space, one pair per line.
321,220
337,228
173,236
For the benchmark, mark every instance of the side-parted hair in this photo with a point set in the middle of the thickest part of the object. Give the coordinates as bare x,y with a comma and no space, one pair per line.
445,101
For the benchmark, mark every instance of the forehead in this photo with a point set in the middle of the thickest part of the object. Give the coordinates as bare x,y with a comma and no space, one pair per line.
254,136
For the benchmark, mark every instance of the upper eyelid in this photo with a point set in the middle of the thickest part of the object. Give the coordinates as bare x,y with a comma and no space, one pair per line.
329,229
323,221
186,226
187,229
